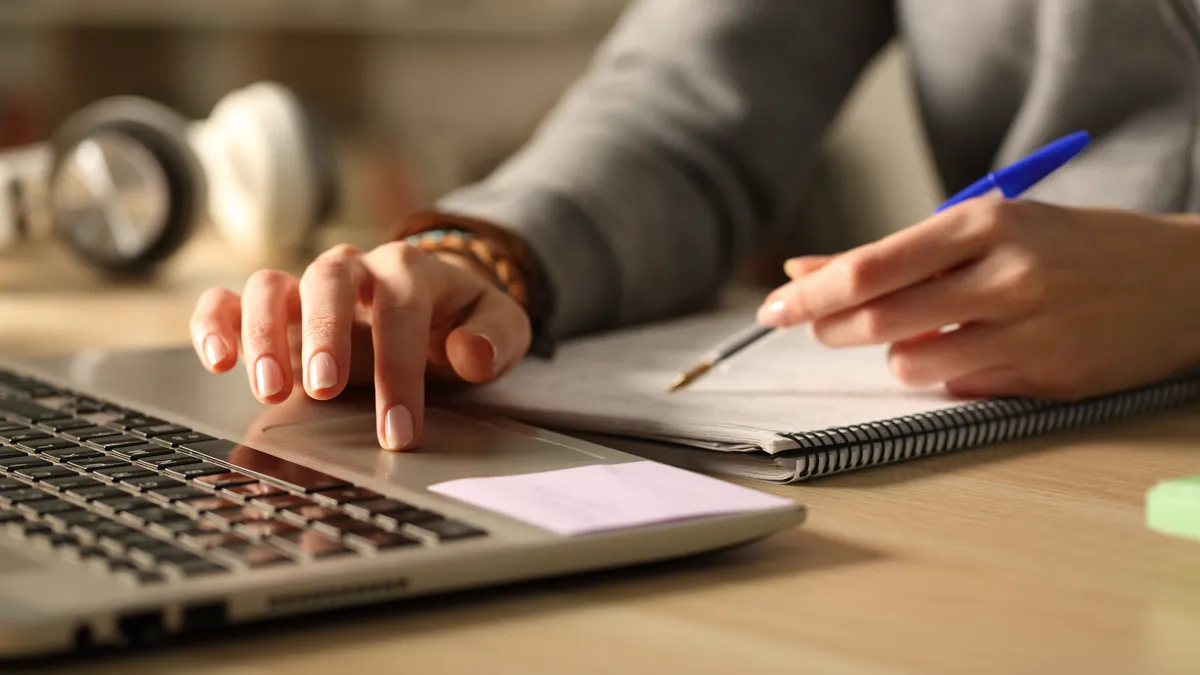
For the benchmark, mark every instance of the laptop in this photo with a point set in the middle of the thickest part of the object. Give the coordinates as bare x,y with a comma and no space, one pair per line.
143,498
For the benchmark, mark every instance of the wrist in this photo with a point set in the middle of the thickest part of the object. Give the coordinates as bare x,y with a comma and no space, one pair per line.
495,252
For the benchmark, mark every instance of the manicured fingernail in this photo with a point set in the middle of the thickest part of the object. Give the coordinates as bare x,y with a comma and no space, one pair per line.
397,428
215,350
495,352
322,371
773,314
269,376
793,268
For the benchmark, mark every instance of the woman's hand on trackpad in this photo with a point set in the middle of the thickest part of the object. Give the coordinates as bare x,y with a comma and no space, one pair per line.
389,317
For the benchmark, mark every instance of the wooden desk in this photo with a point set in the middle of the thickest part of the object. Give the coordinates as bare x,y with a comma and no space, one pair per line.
1026,558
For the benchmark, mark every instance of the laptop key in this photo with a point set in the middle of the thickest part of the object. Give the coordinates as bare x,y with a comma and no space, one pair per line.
65,424
10,516
67,482
259,529
7,451
188,471
280,502
133,421
10,484
195,568
98,491
207,535
97,463
40,506
252,490
175,494
85,433
44,444
110,442
208,503
22,495
123,503
184,438
223,480
65,520
309,544
306,514
15,436
154,482
133,453
6,425
30,529
70,454
27,411
444,529
231,517
255,557
155,430
44,472
121,473
24,462
372,539
345,496
168,461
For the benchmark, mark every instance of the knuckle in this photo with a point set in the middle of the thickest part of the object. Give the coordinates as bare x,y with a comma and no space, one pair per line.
861,271
1023,284
405,254
261,335
340,252
874,324
327,270
321,327
994,221
268,279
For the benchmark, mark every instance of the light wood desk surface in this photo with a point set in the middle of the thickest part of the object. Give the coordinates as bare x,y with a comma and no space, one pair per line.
1025,558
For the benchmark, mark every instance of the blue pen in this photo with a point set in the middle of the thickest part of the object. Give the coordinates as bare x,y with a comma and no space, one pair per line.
1012,181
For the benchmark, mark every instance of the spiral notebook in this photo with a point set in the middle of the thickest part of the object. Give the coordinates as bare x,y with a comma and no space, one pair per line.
786,409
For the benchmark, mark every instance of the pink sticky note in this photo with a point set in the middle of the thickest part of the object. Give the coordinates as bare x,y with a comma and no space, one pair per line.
607,497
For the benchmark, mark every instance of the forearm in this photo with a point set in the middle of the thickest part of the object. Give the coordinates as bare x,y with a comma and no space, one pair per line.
671,156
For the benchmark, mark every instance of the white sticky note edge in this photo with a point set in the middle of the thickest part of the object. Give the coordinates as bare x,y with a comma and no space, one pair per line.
607,497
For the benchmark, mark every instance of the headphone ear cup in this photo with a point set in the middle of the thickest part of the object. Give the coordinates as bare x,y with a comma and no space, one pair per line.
266,192
153,133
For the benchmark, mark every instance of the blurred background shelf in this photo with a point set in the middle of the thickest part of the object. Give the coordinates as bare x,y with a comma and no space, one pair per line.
524,17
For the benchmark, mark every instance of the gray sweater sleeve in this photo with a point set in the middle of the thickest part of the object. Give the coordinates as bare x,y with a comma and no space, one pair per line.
671,155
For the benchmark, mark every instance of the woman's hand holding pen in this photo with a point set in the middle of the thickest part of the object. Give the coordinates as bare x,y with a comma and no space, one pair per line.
995,297
391,315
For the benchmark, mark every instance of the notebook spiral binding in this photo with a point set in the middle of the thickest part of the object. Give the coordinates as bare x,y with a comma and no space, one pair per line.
972,425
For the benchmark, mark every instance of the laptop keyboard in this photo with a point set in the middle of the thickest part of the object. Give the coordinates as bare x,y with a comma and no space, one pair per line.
130,495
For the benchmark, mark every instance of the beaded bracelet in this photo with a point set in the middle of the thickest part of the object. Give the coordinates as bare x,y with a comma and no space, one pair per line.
514,275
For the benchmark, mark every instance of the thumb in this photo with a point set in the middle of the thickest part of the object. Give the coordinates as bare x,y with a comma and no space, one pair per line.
491,339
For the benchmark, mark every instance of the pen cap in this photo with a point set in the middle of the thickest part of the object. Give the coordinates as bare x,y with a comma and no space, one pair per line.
1015,179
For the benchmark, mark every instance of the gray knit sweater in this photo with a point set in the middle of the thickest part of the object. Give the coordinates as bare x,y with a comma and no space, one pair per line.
675,153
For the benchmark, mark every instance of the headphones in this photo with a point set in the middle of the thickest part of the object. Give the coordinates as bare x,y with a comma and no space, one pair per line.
125,180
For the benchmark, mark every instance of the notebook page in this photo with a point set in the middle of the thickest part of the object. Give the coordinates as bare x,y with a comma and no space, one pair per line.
787,382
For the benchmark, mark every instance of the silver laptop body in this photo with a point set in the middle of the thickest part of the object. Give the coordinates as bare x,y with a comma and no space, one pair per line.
355,525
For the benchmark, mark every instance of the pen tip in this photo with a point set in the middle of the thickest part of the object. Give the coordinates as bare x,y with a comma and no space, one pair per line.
689,377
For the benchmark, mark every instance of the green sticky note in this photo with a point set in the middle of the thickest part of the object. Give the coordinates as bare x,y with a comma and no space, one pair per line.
1173,507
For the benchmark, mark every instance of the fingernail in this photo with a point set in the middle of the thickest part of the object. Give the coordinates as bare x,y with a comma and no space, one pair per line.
773,314
792,268
215,350
397,428
322,371
270,377
495,352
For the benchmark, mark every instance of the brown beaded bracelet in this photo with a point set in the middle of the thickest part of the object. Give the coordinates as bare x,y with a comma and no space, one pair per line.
505,257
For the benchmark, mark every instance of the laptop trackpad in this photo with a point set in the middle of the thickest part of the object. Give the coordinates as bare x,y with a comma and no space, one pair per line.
345,444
